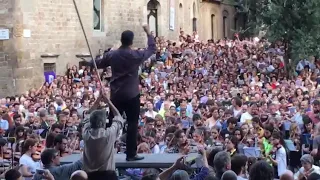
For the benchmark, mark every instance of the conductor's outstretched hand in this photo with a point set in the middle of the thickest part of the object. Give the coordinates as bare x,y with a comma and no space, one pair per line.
146,29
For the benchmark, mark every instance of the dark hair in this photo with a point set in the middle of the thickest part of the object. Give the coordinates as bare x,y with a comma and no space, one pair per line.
150,174
59,138
12,98
127,38
27,144
178,133
19,129
313,176
3,142
306,119
238,161
50,139
276,135
16,116
12,174
237,101
196,117
256,119
149,120
261,170
47,155
234,141
211,155
232,120
269,127
251,161
54,126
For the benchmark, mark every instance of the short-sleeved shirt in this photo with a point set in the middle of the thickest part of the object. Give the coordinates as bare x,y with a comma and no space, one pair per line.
29,162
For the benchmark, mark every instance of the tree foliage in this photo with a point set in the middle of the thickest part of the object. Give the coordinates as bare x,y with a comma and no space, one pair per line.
295,21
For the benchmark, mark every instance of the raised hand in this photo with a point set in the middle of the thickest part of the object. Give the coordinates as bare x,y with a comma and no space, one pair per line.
146,29
180,164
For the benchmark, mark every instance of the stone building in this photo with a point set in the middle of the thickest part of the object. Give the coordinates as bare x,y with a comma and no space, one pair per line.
45,35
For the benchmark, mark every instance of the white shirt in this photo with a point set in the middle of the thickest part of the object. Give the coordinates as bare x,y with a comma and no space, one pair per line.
28,161
171,104
163,148
151,114
281,158
156,149
236,112
245,117
90,89
80,71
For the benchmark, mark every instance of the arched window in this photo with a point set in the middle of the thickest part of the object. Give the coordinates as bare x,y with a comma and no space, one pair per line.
225,15
153,7
97,15
181,16
194,19
212,25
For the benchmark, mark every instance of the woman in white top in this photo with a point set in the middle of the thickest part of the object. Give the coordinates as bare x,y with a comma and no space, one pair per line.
29,166
213,120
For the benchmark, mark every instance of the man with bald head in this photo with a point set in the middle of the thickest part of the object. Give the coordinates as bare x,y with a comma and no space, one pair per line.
288,175
79,175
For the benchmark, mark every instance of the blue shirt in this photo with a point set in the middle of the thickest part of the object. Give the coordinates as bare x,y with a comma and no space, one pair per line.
4,124
204,172
158,104
224,124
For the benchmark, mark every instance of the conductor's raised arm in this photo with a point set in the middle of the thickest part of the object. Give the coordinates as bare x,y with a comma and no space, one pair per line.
142,55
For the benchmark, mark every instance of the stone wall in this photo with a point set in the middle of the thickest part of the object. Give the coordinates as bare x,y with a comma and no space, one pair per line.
212,20
7,49
55,30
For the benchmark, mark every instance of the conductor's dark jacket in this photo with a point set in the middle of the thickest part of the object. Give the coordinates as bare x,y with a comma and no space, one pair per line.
125,62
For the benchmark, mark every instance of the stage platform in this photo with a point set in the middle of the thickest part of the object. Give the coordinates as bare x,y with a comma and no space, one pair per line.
149,161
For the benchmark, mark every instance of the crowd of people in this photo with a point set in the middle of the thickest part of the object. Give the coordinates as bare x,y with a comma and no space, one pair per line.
231,101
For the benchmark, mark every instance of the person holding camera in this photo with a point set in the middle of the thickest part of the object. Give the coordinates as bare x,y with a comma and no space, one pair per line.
177,169
50,159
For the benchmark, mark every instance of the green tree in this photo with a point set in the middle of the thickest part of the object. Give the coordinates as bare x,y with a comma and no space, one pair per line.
297,22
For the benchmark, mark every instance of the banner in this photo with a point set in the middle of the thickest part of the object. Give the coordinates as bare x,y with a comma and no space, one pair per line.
172,15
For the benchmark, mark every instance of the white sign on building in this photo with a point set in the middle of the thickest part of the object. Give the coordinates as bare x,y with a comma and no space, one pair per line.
4,34
172,15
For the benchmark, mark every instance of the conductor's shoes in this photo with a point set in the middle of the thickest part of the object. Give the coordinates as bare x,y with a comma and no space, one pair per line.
134,158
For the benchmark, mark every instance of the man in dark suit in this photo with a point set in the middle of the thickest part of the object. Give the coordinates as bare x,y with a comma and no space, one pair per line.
124,84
